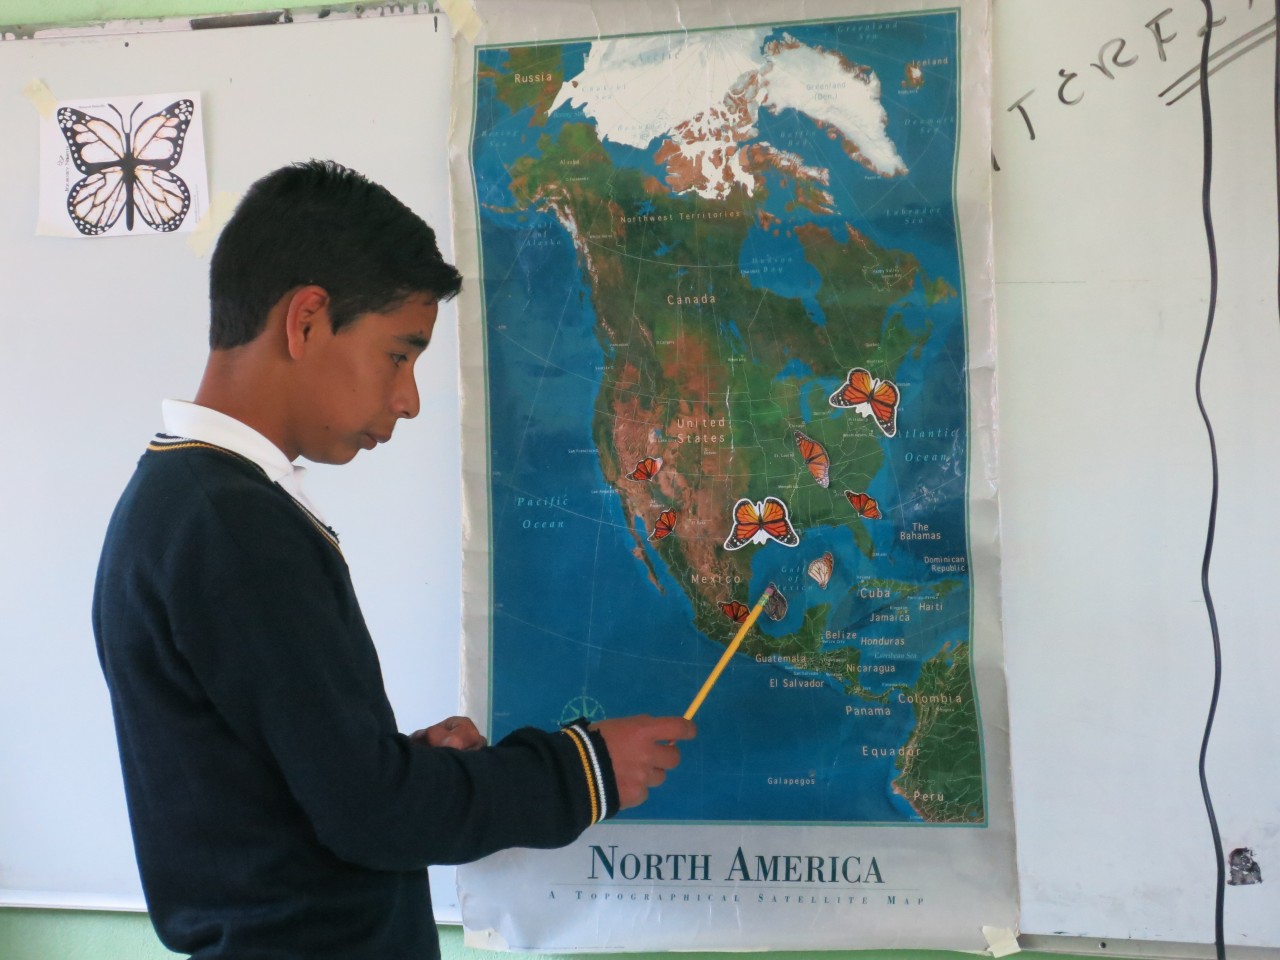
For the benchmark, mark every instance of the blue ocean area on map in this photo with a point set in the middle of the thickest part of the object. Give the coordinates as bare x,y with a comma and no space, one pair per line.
578,618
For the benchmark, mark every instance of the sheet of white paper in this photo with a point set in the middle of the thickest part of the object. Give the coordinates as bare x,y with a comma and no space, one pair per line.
122,166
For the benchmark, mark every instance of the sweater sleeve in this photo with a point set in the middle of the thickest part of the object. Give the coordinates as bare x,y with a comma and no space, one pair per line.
262,610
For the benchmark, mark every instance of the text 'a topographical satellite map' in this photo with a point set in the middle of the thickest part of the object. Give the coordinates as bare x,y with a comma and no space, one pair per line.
725,348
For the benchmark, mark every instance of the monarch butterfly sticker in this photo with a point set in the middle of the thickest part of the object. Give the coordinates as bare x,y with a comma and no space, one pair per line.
760,522
646,469
775,608
735,610
128,158
663,526
821,569
815,458
869,397
866,505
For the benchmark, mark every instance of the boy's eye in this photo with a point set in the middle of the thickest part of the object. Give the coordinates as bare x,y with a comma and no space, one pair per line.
399,358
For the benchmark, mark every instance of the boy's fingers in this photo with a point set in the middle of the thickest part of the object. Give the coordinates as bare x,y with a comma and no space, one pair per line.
681,729
667,757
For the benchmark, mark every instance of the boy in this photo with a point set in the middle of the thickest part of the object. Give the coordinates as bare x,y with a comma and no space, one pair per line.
276,809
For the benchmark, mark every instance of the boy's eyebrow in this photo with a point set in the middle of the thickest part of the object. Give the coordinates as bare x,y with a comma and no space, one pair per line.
415,340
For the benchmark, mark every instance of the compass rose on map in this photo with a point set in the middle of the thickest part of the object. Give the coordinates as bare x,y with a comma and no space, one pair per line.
582,706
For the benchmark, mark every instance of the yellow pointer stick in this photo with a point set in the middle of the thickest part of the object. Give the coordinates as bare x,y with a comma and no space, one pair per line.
728,653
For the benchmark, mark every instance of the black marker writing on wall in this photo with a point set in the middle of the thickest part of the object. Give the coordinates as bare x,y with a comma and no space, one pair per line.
1146,45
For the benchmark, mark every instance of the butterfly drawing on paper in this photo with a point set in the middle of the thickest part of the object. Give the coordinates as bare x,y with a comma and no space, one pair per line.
775,608
646,469
815,458
869,397
128,169
663,526
866,505
735,610
760,522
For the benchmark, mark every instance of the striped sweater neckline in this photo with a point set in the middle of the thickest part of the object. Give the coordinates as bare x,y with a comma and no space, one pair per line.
166,443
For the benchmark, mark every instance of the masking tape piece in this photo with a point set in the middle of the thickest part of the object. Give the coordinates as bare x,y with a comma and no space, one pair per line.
462,15
484,940
41,97
211,224
1001,941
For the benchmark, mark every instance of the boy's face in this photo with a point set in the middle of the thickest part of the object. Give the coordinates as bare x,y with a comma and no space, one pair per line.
359,382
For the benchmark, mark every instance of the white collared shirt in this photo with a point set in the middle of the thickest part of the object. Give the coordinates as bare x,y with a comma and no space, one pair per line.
194,422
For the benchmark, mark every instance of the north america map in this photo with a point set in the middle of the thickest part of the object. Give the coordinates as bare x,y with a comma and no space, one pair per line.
724,349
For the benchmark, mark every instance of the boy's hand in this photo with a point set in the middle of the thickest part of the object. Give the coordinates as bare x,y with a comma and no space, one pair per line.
642,752
457,732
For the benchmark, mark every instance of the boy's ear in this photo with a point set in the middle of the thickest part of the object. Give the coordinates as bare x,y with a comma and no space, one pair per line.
306,314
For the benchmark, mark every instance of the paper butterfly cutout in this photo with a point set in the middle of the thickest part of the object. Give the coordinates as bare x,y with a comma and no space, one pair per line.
775,608
815,458
820,570
665,523
761,522
127,169
735,610
646,469
870,397
864,504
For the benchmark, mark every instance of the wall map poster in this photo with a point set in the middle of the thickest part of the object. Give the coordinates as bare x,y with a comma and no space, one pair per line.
728,326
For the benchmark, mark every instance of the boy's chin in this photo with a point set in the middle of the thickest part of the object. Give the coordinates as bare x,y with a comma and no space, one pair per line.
333,457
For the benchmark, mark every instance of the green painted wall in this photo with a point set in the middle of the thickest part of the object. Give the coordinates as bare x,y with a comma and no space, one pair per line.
66,935
29,12
91,935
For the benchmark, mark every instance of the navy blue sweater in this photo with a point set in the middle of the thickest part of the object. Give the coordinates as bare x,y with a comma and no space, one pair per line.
277,812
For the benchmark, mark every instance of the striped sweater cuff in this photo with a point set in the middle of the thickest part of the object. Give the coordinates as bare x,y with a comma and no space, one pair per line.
597,770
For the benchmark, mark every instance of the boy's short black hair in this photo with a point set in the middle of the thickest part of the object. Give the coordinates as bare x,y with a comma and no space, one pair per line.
320,222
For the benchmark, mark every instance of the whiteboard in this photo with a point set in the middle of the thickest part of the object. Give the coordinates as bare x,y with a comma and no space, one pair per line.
96,332
1102,297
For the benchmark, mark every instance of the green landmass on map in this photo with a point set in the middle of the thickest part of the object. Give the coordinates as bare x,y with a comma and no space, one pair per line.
941,769
937,290
532,77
